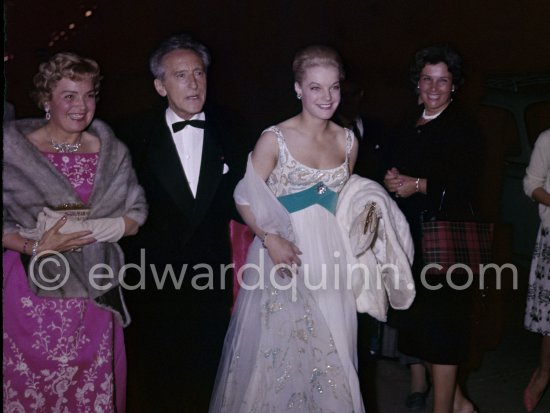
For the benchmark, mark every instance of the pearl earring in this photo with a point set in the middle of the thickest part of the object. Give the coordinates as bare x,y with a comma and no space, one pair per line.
299,96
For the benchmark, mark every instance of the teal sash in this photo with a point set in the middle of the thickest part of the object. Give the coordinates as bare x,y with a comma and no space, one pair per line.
317,194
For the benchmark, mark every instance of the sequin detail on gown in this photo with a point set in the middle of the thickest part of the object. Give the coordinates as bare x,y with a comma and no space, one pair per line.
292,346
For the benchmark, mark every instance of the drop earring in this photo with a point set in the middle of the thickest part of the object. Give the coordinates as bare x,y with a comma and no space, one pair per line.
48,116
299,96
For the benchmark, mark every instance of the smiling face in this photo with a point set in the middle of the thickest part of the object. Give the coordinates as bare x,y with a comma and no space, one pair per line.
435,86
184,82
320,90
72,106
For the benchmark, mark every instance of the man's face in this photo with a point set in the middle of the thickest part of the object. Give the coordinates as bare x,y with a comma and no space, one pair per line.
184,82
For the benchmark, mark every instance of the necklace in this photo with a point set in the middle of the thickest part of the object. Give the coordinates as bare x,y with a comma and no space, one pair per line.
430,117
66,147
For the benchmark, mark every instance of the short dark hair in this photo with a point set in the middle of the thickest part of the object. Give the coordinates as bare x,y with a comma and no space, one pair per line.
437,54
179,41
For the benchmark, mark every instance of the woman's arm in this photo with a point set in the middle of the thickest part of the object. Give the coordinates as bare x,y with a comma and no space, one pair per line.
538,170
131,227
51,240
280,250
403,185
541,196
101,229
265,155
264,160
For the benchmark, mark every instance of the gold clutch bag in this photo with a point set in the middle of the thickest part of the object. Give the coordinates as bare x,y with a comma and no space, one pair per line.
364,229
75,212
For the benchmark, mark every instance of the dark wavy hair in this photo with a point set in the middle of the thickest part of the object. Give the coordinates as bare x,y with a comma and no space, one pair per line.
179,41
437,54
64,64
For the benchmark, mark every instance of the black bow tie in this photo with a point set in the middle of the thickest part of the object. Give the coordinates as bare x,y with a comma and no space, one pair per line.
177,126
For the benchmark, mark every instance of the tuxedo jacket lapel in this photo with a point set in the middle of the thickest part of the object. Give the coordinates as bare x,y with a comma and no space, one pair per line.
211,171
165,163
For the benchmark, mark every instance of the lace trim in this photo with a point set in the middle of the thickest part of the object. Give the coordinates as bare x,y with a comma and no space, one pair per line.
284,148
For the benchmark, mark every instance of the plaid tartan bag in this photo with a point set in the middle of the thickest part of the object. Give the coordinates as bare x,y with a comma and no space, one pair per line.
448,242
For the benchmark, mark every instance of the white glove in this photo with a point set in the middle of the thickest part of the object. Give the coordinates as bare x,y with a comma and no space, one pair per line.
103,229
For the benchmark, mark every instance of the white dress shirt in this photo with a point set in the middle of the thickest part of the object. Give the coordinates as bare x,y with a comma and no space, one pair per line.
188,142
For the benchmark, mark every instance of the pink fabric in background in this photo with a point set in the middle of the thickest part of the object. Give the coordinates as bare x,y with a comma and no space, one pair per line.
241,238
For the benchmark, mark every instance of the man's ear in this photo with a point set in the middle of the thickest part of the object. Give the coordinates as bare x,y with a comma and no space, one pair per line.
159,86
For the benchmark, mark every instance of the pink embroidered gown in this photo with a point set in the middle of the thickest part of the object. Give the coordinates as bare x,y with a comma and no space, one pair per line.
60,355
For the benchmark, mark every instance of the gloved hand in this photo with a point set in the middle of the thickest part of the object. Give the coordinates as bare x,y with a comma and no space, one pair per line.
103,229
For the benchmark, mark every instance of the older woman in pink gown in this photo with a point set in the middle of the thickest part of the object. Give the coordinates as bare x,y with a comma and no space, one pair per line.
69,194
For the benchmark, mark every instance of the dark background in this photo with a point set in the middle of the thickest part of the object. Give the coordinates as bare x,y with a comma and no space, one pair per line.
253,41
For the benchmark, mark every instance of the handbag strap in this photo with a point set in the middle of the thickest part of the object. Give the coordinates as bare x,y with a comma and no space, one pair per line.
440,210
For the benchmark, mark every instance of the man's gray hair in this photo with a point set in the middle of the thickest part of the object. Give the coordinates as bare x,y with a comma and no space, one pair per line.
177,42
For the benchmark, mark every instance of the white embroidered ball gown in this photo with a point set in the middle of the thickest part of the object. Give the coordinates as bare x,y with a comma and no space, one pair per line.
293,347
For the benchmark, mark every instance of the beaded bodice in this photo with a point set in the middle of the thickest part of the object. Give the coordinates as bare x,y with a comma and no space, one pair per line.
78,168
291,176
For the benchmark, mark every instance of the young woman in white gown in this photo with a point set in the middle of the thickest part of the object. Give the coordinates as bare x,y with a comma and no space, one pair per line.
291,344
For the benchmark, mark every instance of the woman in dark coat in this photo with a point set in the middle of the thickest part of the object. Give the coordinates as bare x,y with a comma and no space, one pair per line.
434,167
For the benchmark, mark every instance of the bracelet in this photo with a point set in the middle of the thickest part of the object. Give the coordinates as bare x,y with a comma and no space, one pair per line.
34,248
25,246
263,240
417,184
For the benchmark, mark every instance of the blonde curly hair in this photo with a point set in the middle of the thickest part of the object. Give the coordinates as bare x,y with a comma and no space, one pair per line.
63,65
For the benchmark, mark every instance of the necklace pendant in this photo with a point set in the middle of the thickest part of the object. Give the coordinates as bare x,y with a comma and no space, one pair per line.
66,147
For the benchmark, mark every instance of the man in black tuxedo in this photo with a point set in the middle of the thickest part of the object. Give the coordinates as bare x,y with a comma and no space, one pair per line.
188,162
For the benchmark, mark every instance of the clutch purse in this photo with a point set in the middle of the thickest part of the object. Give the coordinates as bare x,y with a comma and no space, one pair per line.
456,242
447,243
75,212
364,228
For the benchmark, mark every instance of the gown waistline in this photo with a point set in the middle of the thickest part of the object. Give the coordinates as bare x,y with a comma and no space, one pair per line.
317,194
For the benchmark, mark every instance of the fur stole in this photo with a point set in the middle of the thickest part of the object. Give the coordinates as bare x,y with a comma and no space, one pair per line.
31,182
